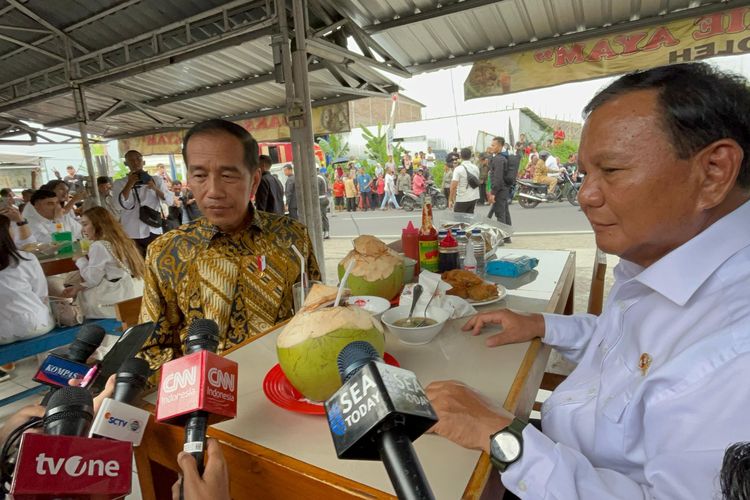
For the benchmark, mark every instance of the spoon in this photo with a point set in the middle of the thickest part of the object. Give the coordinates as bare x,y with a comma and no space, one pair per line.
424,320
416,293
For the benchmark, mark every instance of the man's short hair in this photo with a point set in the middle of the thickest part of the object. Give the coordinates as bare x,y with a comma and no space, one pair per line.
41,194
27,191
465,154
499,139
249,144
699,105
6,192
289,166
735,472
264,161
102,179
51,185
70,167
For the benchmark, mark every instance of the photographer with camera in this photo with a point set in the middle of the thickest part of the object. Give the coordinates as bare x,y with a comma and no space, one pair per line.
140,196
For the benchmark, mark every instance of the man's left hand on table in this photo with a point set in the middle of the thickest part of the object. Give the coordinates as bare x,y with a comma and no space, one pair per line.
465,417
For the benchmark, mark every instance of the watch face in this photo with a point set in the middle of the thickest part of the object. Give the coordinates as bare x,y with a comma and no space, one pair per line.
505,447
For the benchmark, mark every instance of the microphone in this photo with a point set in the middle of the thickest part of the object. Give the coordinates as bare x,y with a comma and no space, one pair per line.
131,380
198,389
377,413
70,411
56,371
89,338
61,463
117,417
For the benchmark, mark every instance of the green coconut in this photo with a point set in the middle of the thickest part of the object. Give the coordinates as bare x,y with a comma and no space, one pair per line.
378,270
310,344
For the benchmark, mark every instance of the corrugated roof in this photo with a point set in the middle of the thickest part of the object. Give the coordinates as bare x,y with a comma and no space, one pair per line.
234,76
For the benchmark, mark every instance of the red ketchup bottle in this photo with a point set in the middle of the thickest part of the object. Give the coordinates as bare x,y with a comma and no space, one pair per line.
410,244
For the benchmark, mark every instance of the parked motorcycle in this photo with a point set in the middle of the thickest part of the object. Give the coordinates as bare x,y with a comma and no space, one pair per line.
530,194
410,201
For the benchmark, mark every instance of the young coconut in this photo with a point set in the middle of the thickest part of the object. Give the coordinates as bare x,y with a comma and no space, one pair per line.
378,270
310,344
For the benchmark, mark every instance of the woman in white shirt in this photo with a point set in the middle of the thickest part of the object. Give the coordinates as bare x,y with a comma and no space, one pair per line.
23,292
113,269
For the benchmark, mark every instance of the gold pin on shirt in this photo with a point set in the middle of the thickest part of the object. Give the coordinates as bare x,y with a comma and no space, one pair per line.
645,363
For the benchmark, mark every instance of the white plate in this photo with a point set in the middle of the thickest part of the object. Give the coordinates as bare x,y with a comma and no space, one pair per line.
501,293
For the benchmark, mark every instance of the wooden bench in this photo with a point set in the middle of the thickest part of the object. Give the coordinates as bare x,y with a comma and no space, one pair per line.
58,337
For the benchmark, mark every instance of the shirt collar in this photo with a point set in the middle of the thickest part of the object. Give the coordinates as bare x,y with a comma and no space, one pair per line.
208,232
680,273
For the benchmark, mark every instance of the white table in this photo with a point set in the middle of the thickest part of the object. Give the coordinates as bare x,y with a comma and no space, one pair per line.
298,446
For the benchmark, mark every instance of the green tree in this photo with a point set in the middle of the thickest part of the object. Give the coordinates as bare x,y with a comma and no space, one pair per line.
334,147
376,146
120,170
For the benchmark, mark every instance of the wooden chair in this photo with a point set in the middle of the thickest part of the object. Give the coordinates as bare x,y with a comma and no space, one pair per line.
550,381
128,312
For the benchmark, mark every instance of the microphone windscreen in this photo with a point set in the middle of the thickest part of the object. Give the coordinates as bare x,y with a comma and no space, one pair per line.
131,379
70,411
202,335
88,339
354,356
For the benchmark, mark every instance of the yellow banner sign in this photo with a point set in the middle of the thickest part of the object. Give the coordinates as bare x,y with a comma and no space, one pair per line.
332,118
692,39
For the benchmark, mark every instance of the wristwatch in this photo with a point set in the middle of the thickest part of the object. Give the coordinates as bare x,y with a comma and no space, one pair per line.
506,445
22,223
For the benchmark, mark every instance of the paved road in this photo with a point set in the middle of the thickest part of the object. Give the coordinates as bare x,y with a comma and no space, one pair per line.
545,218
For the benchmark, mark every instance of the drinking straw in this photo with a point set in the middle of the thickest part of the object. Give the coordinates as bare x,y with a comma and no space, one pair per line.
343,282
303,276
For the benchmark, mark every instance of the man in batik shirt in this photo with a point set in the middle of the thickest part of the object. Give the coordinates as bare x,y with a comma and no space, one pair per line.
235,265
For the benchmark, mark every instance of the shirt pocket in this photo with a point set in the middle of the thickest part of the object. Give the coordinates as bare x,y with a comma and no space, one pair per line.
620,396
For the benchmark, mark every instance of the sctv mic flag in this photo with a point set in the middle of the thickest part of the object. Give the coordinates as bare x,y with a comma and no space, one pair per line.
723,33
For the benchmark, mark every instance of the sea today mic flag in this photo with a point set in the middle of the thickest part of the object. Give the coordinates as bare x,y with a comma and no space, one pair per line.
57,466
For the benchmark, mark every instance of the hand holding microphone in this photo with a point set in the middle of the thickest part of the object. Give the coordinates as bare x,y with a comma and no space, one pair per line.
198,389
62,463
377,413
214,483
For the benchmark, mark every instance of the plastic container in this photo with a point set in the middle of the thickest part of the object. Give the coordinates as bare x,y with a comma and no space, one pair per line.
512,265
461,240
478,243
470,260
65,241
448,258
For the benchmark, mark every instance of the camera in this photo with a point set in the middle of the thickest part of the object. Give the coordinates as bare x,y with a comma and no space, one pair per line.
144,178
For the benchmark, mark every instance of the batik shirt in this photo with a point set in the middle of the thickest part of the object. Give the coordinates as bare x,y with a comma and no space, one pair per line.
243,281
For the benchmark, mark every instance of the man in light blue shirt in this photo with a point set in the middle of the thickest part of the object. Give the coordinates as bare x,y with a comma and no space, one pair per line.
363,182
660,389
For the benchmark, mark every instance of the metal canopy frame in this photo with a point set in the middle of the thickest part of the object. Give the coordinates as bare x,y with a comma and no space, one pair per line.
310,59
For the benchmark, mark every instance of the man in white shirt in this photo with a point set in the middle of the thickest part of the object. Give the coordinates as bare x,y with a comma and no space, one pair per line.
660,389
463,197
139,189
429,159
45,217
104,185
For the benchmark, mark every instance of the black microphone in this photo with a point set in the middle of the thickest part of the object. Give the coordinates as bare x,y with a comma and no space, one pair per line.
89,337
131,380
117,418
70,411
202,335
377,413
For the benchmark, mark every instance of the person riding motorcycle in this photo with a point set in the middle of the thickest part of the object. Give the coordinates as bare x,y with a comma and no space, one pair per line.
541,173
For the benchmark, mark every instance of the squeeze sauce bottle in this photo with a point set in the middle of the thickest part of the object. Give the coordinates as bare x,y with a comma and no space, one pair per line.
410,244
